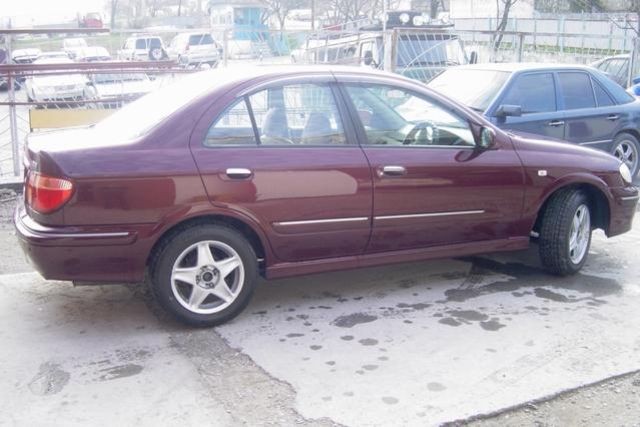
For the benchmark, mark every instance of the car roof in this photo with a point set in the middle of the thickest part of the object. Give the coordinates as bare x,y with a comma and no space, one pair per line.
243,73
513,67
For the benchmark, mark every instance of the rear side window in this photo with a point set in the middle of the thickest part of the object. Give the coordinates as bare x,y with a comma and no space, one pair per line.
154,43
140,44
603,98
299,114
200,39
535,93
233,127
576,90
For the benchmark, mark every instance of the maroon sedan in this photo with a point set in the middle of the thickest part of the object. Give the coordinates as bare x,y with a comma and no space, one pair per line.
227,175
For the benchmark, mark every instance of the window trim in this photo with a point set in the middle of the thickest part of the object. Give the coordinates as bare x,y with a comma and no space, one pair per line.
362,134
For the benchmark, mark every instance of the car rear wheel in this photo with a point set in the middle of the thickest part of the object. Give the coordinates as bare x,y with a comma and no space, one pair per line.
205,275
156,54
565,232
626,148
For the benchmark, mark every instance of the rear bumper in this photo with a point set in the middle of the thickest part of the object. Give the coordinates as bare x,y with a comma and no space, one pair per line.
100,254
622,210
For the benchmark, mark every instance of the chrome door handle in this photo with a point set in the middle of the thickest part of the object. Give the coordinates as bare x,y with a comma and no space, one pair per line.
556,123
613,117
238,173
393,170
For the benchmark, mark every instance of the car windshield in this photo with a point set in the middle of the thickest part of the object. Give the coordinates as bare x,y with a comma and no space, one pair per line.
473,88
117,78
429,50
198,39
139,117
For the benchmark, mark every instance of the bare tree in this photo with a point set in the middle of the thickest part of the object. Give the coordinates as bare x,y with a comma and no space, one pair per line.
114,11
280,9
503,19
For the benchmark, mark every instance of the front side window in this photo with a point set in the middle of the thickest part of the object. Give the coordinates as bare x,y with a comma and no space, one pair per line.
577,91
298,114
232,128
397,117
535,93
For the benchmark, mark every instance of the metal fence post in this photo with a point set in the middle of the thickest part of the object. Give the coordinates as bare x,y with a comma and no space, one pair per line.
225,47
520,47
633,64
13,117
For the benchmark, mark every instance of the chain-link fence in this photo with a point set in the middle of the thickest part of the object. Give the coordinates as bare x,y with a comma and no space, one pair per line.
97,72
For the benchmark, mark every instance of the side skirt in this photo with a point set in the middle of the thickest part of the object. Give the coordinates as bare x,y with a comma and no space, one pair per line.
288,269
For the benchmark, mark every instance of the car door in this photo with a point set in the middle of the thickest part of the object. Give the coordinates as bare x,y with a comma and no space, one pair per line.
283,156
591,116
535,93
432,185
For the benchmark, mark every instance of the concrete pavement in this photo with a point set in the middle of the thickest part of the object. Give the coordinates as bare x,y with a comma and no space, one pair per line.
413,344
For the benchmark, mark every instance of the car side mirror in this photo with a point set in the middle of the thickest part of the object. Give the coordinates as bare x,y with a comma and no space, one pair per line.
368,57
635,80
506,110
487,138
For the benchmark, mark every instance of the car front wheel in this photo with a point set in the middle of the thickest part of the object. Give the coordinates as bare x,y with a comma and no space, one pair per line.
565,232
626,148
205,275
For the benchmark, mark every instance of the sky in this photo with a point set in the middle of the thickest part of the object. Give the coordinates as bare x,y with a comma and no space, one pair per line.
26,12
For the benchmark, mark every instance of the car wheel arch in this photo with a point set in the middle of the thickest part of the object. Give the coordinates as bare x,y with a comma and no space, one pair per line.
256,238
599,204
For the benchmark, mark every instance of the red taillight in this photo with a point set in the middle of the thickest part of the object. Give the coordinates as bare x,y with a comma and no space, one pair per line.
45,194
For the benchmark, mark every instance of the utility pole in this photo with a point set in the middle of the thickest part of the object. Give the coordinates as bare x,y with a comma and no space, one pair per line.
313,15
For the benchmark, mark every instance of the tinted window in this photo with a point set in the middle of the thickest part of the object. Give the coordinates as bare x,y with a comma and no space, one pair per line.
535,93
396,117
153,43
140,44
576,90
233,127
304,114
602,96
198,39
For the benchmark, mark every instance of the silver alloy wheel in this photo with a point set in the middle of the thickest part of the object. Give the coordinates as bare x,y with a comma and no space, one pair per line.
579,234
627,152
207,277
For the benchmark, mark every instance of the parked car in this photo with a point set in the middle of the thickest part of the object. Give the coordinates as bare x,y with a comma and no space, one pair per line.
4,83
615,67
116,89
279,171
569,102
93,54
25,56
53,54
143,48
55,88
73,46
193,49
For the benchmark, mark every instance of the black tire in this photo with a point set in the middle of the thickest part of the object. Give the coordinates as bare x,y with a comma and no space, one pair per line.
627,143
555,232
167,254
156,54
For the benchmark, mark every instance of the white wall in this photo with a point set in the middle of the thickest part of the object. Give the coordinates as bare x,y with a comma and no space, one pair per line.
487,8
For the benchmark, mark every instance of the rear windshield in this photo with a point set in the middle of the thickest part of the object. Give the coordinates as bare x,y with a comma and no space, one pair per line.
139,117
198,39
147,43
473,88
